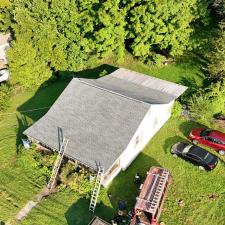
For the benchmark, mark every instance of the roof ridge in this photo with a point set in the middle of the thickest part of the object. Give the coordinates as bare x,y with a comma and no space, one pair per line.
112,92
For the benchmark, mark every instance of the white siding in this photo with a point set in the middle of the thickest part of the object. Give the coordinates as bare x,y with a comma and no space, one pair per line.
152,122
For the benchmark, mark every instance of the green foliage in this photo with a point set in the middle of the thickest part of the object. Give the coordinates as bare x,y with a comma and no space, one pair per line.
63,36
219,8
5,94
36,160
216,67
26,66
162,25
77,181
5,15
177,109
53,36
207,103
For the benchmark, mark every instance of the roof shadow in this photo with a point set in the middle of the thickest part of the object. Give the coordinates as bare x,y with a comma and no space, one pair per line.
93,73
123,187
78,213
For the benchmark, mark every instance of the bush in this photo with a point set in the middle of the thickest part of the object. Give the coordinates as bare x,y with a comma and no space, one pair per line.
177,109
77,180
5,94
35,159
207,103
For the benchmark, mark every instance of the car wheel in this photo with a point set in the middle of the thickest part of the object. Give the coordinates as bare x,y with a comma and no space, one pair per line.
221,152
195,142
174,155
201,168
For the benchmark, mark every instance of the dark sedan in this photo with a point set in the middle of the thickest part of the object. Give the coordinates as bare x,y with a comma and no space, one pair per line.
195,154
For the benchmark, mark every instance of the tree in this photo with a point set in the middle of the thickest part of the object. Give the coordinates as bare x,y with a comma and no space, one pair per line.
5,15
26,66
216,66
218,7
64,36
162,26
207,103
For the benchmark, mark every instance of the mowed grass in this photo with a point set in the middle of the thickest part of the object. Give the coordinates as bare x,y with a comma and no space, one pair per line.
187,71
203,192
19,183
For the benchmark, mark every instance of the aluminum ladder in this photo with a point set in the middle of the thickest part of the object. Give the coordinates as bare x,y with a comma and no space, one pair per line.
163,178
96,190
58,162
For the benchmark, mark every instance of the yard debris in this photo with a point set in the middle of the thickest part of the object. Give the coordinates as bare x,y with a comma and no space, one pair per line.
162,223
213,196
181,203
25,210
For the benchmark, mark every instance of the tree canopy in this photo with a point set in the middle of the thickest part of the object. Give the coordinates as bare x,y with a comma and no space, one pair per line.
216,66
70,35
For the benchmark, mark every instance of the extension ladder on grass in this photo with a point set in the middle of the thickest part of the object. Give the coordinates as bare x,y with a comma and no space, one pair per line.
58,162
96,190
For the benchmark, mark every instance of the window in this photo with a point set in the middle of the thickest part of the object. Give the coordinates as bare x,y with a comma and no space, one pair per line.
205,132
209,139
137,140
155,122
218,141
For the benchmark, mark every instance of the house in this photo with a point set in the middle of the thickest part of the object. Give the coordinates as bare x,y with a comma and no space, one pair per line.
97,221
4,45
107,120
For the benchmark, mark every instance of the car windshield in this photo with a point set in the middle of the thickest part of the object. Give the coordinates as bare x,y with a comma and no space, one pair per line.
208,158
205,132
187,148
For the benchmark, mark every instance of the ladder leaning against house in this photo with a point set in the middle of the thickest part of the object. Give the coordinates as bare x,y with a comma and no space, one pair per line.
96,190
58,162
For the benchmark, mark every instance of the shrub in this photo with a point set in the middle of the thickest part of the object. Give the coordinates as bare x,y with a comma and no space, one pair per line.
35,159
207,103
77,180
177,109
5,94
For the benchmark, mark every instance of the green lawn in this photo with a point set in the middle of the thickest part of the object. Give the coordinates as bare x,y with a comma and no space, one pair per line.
20,182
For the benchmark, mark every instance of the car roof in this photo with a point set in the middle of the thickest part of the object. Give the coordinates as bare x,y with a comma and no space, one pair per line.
217,135
198,151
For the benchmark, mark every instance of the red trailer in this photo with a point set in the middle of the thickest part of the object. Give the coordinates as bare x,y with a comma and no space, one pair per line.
150,201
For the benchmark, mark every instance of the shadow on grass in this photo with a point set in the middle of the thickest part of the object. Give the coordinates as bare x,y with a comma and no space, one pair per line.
169,142
22,125
123,187
96,72
187,126
93,73
78,213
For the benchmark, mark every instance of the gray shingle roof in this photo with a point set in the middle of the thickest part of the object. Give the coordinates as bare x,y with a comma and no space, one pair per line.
154,83
138,86
99,117
98,123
